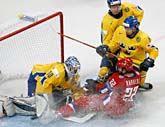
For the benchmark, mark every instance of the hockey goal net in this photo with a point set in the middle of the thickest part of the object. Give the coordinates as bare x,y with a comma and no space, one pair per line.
24,43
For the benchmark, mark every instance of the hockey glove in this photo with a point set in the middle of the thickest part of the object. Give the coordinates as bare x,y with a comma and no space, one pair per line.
69,99
91,85
102,50
148,62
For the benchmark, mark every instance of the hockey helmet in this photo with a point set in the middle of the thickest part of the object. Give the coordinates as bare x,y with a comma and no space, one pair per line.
113,2
124,64
72,66
131,22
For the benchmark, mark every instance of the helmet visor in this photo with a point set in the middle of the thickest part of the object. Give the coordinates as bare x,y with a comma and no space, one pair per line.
122,70
74,69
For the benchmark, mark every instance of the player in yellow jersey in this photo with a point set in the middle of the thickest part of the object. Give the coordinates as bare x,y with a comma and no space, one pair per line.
56,78
117,13
49,86
132,43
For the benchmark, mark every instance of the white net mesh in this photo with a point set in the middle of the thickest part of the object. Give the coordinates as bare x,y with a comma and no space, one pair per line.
39,44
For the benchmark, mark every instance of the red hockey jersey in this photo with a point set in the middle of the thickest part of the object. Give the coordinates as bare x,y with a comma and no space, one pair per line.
115,98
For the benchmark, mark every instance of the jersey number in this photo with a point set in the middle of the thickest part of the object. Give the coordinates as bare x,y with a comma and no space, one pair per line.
130,93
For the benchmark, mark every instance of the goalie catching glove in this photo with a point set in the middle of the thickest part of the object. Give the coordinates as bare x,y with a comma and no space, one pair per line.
148,62
102,50
90,85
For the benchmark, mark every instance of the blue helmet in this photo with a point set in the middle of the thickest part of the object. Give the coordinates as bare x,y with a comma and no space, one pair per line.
131,22
72,66
113,2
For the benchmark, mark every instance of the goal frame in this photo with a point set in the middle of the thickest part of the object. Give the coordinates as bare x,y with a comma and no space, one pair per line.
59,13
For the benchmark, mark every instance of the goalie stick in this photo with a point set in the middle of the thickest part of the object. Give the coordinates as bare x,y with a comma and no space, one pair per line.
45,110
80,119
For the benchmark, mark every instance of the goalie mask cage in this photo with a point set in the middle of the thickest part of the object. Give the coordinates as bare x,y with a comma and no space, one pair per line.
24,43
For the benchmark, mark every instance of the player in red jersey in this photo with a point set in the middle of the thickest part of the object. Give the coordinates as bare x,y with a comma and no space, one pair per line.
115,97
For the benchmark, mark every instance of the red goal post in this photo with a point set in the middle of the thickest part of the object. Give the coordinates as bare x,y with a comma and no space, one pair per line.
24,43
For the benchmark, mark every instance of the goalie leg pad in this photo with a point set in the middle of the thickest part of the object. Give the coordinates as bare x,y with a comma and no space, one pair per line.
24,105
41,104
2,114
9,107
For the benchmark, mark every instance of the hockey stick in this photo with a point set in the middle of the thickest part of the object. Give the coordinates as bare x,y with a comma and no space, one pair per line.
71,118
42,105
77,40
81,119
81,42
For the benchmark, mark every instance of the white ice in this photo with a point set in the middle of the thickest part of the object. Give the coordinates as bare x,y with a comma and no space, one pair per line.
82,21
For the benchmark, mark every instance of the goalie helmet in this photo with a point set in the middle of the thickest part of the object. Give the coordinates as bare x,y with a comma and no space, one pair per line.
72,66
131,22
113,2
124,65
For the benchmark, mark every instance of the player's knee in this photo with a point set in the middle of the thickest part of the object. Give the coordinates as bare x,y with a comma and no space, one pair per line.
103,74
103,71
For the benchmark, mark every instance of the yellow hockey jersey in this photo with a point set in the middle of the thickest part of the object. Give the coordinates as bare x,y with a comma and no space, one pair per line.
136,48
109,23
53,77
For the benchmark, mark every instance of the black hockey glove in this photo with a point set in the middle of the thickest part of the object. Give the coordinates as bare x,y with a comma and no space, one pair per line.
69,99
91,84
102,50
148,62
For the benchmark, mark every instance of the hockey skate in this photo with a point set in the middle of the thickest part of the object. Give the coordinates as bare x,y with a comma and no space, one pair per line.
145,87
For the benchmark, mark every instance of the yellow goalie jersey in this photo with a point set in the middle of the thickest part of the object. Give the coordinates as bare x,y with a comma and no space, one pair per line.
53,77
136,48
109,23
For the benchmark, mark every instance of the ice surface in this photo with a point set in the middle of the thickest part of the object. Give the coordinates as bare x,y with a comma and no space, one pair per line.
82,21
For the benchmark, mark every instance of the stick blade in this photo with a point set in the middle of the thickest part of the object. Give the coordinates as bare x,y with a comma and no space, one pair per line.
80,119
